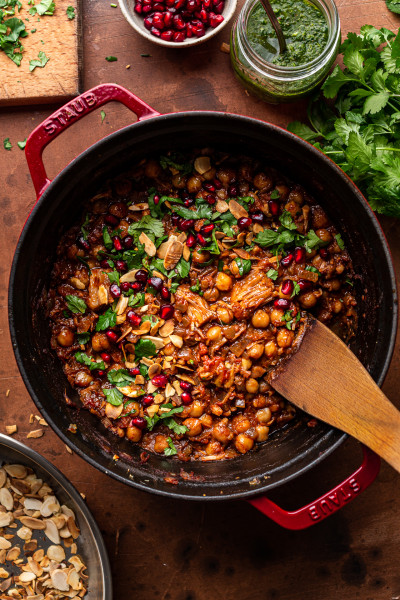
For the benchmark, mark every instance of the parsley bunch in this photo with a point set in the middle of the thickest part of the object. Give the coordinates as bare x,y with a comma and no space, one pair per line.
360,130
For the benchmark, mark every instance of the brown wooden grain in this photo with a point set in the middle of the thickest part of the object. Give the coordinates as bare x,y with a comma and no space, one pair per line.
59,38
325,379
161,549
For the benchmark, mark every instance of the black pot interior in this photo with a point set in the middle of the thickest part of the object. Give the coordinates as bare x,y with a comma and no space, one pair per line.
289,451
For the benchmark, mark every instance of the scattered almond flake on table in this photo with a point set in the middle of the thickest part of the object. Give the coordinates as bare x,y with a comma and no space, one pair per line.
31,419
10,429
68,449
7,393
36,433
225,48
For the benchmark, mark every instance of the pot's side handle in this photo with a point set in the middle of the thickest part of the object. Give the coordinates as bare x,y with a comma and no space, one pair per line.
327,504
71,113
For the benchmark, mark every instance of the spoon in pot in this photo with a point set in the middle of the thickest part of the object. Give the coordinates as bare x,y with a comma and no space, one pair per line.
325,379
275,24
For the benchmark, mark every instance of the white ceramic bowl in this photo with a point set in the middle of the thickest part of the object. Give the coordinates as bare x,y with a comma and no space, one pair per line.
136,21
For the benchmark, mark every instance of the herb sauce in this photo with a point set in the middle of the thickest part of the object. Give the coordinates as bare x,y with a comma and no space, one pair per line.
303,25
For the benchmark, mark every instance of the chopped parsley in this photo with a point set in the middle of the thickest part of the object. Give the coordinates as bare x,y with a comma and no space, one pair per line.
148,224
106,320
272,274
339,241
75,304
7,144
70,12
107,238
171,450
114,396
144,348
103,116
244,265
84,359
22,145
41,61
111,58
83,338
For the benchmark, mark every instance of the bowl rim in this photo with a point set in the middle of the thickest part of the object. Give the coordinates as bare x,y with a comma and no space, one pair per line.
34,456
227,13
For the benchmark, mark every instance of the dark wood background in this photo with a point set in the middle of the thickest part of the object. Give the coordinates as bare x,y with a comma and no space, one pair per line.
163,549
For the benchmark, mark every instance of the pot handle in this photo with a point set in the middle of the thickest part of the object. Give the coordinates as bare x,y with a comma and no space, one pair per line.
327,504
71,113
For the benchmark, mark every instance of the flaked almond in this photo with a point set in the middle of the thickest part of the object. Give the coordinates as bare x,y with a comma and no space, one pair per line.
4,544
65,532
77,283
186,253
139,207
27,577
5,584
257,228
72,526
56,553
139,380
59,580
113,412
143,329
3,573
169,391
167,328
242,253
59,520
127,332
129,276
67,511
152,410
149,246
130,390
13,554
173,254
77,563
24,533
202,164
32,504
182,237
3,477
30,546
177,387
103,294
150,388
17,471
6,498
158,342
2,556
154,369
162,249
20,486
237,210
74,580
34,567
187,378
50,506
32,523
35,433
159,398
222,206
51,531
249,238
5,519
176,340
11,429
122,304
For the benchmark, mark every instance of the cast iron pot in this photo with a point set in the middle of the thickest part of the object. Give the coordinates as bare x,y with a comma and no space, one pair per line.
289,452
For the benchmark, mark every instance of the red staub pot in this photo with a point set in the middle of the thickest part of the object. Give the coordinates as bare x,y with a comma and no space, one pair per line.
289,452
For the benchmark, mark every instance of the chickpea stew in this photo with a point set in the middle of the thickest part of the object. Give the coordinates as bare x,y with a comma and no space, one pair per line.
184,284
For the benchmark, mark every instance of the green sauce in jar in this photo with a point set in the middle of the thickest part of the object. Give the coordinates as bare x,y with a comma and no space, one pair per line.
304,28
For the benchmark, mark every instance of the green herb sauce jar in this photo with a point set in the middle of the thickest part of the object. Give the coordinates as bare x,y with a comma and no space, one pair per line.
312,29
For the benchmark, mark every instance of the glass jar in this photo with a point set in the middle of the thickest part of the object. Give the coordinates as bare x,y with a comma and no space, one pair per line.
275,83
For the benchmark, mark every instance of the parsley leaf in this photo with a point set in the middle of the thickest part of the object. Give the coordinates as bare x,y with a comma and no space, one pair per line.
171,450
41,61
183,268
120,377
83,338
113,277
106,320
137,300
339,241
7,144
148,223
102,114
275,194
144,348
84,359
107,238
75,304
71,13
22,145
111,58
113,396
176,162
244,265
272,274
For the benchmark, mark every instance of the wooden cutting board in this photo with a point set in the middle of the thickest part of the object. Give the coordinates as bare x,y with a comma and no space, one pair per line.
59,38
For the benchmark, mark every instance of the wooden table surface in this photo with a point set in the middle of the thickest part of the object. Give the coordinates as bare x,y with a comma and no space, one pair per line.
164,549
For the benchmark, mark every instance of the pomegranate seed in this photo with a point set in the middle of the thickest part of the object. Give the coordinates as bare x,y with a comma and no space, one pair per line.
148,21
175,219
170,3
273,207
257,217
159,380
209,187
112,336
186,398
186,386
179,4
156,32
158,6
232,190
104,264
120,265
282,303
215,20
128,242
168,18
299,255
287,260
134,372
111,220
100,373
304,285
125,286
186,224
148,400
156,199
287,287
190,241
138,8
323,252
139,422
207,3
207,230
199,31
210,199
179,36
202,15
191,5
84,244
149,2
105,357
133,318
188,201
117,244
218,184
219,7
115,291
147,8
165,293
156,283
166,311
136,286
179,23
158,20
141,275
244,223
167,35
202,241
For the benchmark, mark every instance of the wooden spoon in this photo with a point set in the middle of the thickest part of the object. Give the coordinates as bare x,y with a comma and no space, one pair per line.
325,379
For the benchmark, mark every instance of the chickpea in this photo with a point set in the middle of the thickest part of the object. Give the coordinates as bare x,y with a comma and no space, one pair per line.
240,424
337,306
270,349
339,269
100,342
243,443
213,447
283,191
324,235
196,409
226,176
179,181
193,425
224,282
66,337
246,364
263,182
252,385
210,174
256,350
221,432
319,218
83,379
214,334
200,257
169,349
225,315
153,169
160,443
259,401
194,184
276,317
133,434
206,420
297,197
264,415
262,432
260,319
334,285
308,300
257,372
292,207
123,227
284,338
211,295
119,209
